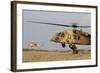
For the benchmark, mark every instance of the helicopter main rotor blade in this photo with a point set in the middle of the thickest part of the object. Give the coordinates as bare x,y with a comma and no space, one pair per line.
49,23
74,26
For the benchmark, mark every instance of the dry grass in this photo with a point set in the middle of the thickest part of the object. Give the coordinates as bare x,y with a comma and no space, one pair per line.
39,56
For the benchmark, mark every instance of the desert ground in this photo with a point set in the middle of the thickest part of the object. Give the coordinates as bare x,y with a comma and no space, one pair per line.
31,55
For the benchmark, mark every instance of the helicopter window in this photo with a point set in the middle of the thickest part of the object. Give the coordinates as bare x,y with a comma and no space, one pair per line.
56,38
58,33
76,37
62,34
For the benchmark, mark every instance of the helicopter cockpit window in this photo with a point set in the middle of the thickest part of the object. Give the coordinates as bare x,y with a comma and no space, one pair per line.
62,34
59,33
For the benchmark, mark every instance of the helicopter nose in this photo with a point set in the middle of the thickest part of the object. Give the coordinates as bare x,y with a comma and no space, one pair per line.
54,38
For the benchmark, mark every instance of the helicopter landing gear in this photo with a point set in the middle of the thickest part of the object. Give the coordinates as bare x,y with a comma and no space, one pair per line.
74,48
63,45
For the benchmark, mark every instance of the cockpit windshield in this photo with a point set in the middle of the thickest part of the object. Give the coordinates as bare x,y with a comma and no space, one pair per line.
60,34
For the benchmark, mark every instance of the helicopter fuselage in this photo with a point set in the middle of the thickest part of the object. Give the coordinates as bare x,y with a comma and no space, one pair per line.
72,36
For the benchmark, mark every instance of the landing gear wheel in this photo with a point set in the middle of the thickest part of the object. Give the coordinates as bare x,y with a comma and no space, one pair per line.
63,45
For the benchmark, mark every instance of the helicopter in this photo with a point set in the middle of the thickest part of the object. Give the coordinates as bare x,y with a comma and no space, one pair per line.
72,37
34,44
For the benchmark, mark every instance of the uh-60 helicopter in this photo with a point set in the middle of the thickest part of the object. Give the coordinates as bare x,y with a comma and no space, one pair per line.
71,37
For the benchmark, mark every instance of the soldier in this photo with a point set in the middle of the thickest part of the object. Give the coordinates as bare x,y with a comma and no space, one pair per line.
74,48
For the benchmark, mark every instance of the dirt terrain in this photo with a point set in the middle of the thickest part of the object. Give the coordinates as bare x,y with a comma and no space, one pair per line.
31,55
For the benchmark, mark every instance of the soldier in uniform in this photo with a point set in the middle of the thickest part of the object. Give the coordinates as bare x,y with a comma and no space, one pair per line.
74,48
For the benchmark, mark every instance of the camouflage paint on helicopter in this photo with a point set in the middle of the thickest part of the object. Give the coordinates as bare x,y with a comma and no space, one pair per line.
72,36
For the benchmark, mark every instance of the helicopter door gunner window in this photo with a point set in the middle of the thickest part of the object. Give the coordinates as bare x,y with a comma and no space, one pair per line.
76,37
52,36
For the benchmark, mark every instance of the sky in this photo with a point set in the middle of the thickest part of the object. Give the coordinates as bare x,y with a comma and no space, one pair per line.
40,33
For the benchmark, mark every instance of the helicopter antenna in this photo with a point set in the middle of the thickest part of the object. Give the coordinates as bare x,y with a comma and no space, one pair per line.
74,25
